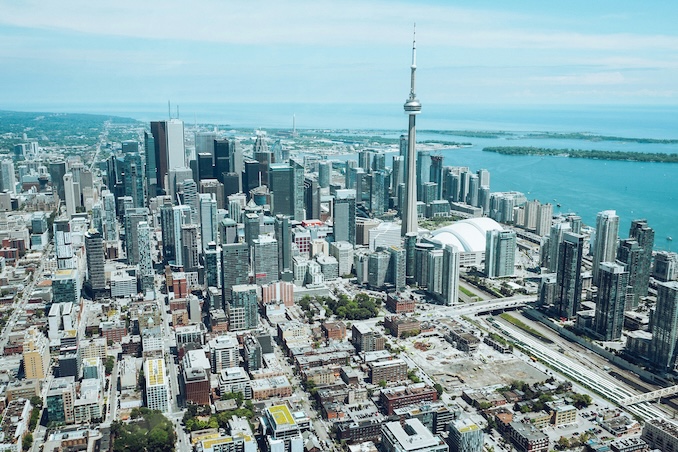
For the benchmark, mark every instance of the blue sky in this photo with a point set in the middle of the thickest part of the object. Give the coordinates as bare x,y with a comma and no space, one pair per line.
481,52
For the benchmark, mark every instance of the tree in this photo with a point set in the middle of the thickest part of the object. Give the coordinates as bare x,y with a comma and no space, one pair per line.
36,402
27,442
382,383
439,389
110,363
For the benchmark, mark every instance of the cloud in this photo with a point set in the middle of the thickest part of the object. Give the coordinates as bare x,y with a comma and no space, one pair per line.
321,22
597,78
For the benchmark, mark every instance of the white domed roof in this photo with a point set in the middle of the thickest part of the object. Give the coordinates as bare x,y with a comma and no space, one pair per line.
467,235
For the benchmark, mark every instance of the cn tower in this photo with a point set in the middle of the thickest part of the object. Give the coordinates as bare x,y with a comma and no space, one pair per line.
412,108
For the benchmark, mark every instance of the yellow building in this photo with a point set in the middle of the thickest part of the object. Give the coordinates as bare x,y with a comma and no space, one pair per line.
563,415
36,354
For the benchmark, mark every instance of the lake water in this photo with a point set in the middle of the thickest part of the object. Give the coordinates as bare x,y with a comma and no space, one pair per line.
633,189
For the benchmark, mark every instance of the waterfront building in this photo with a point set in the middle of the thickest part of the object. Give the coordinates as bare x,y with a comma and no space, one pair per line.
568,276
664,345
612,289
644,235
604,248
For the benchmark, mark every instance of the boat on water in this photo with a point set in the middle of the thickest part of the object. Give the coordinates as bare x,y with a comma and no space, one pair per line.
669,239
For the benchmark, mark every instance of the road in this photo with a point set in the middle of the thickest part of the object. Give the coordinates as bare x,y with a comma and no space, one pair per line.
602,384
19,306
175,413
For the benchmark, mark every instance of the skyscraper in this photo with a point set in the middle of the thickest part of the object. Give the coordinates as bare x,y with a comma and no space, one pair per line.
631,254
664,346
181,215
235,266
265,259
612,288
168,140
7,177
450,277
133,217
96,275
412,107
343,213
568,275
151,170
500,253
644,235
243,308
146,274
324,172
283,235
189,247
69,192
208,219
605,245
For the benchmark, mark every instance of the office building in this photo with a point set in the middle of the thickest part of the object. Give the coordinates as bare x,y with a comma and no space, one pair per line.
661,434
169,149
181,216
283,434
223,352
65,286
664,345
500,253
365,339
604,248
60,400
157,389
133,217
450,275
665,266
35,354
465,436
7,177
146,273
410,436
243,309
190,249
265,259
94,249
208,219
344,216
235,266
612,290
324,174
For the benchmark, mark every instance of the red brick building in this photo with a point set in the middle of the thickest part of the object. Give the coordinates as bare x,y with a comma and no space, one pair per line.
392,398
197,386
398,304
334,330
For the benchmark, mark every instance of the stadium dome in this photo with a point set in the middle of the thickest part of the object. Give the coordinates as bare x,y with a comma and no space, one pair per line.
467,235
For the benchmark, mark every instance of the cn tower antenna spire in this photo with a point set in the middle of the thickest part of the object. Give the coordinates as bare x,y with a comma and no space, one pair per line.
414,61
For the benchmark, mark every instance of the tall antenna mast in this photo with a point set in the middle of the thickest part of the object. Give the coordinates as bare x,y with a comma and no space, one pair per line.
169,110
414,62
